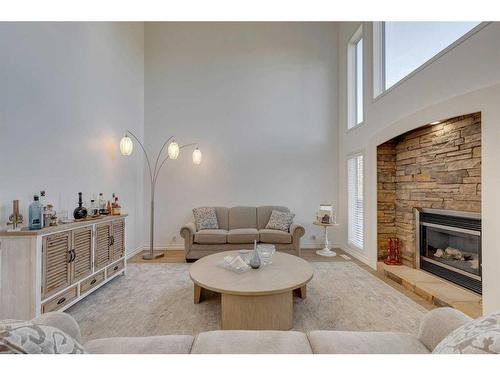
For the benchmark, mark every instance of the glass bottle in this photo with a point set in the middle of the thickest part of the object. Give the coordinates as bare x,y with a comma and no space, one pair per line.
35,214
43,203
93,209
117,208
80,212
102,204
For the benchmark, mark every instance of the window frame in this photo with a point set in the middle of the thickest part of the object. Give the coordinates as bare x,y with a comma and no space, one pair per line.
363,171
352,80
378,31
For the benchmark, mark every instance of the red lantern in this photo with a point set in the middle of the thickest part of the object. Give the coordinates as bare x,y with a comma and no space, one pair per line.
393,257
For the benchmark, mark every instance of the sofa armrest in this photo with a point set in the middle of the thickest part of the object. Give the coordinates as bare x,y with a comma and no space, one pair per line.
188,230
297,230
439,323
62,321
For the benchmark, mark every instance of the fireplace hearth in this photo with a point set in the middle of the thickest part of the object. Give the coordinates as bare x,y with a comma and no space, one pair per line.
448,245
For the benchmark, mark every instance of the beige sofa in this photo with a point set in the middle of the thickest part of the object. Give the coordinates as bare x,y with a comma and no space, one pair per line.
239,227
435,326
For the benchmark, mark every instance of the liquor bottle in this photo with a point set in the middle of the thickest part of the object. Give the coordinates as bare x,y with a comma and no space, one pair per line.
102,204
109,208
80,212
35,214
94,211
43,203
117,207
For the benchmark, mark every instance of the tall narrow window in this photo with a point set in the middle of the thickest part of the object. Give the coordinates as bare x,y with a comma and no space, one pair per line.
355,79
355,209
359,81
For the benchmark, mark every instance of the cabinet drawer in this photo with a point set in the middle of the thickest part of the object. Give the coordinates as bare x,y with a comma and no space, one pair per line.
115,268
91,282
60,300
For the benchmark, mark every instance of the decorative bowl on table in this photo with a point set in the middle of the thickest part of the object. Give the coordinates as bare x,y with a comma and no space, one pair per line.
266,253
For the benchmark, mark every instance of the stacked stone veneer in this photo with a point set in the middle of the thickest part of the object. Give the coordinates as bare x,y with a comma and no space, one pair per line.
436,166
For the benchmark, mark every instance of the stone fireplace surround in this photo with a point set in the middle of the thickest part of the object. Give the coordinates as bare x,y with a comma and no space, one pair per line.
434,166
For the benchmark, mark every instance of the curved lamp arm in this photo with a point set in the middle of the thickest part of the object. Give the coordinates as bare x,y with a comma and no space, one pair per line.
157,171
145,153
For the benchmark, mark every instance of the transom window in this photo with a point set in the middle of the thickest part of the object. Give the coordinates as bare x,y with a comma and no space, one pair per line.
402,47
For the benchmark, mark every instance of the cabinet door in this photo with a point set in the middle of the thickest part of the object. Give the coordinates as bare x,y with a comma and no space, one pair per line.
56,268
118,247
81,266
102,245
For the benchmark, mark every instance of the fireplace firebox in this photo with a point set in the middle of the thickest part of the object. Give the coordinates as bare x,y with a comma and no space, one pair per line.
449,246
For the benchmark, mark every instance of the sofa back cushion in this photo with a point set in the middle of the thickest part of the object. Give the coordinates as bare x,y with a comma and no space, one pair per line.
242,217
264,213
222,217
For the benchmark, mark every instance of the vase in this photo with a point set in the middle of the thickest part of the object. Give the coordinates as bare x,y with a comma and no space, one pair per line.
255,260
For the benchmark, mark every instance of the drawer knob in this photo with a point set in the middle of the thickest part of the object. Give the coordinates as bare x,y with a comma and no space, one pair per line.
61,300
93,282
116,267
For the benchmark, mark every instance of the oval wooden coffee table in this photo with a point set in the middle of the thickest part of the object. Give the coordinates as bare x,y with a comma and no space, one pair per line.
256,299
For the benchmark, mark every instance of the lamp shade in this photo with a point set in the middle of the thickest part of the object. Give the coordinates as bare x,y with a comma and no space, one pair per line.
197,156
173,150
126,145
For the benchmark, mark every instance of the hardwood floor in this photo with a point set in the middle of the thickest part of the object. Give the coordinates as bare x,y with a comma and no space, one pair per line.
177,256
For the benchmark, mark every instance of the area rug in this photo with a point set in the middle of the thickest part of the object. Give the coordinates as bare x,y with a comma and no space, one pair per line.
157,299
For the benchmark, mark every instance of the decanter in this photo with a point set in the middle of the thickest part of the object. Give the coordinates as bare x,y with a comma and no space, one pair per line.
80,212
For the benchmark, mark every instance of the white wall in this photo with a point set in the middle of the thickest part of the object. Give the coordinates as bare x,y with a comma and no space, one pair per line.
260,98
456,83
68,91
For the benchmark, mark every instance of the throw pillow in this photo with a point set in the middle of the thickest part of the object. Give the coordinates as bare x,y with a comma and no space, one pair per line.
24,337
481,336
280,220
205,218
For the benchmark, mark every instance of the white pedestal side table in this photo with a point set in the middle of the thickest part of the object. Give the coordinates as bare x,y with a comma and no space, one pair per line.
326,252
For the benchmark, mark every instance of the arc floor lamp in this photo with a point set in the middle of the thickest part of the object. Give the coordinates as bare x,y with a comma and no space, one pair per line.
173,150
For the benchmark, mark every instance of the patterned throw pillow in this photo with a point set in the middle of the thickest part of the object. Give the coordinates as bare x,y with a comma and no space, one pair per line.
481,336
280,220
205,218
22,337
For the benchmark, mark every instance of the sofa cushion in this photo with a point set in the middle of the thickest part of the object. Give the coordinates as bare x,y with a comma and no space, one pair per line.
245,235
274,236
205,218
280,220
242,217
251,342
480,336
340,342
264,214
172,344
207,236
24,337
222,217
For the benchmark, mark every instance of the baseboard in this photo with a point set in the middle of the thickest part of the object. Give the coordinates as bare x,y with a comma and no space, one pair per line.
356,254
176,246
313,245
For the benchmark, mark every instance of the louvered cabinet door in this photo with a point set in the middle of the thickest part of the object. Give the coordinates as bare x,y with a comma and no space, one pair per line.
56,268
102,245
81,265
118,248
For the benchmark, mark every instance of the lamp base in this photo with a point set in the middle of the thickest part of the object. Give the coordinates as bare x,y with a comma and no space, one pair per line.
146,255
